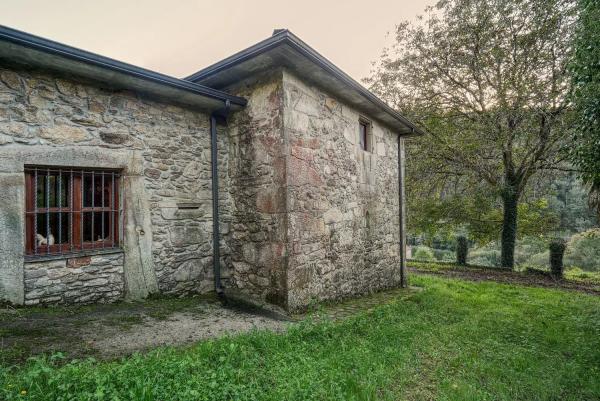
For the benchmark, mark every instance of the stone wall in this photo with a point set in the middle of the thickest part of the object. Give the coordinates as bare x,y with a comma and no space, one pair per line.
163,152
97,278
314,216
258,186
305,213
343,210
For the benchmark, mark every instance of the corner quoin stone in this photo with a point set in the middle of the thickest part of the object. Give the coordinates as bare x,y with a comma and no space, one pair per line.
12,199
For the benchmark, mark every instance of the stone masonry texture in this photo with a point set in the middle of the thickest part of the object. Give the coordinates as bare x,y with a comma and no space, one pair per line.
305,214
89,279
258,188
164,147
314,216
343,236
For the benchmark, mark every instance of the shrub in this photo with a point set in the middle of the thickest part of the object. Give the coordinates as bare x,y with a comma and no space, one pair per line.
539,259
583,250
485,256
443,255
462,249
423,253
557,250
529,246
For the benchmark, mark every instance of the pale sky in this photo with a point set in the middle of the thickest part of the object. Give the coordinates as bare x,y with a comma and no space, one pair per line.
179,37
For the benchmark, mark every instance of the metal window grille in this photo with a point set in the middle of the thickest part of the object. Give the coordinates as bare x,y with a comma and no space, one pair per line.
71,210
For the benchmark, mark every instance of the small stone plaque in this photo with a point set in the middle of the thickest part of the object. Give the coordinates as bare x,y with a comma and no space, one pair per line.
188,205
74,263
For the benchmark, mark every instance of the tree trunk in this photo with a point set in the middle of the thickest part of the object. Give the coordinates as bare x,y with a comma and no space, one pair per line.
509,228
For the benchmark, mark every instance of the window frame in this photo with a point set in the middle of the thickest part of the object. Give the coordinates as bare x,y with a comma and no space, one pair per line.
363,122
75,211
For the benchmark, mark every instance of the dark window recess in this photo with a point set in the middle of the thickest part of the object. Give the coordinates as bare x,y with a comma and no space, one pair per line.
71,210
363,135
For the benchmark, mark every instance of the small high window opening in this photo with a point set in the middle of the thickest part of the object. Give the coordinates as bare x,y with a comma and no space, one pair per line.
71,210
364,135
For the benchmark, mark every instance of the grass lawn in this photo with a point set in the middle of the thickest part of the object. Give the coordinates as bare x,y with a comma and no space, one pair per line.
455,340
573,279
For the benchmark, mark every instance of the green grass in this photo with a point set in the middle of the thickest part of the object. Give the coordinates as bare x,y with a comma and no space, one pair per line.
436,265
573,274
453,341
576,274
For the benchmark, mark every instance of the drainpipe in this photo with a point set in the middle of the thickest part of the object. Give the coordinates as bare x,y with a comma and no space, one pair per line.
402,212
221,114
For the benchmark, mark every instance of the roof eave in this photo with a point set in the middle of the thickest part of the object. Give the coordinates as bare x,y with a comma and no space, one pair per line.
23,48
285,37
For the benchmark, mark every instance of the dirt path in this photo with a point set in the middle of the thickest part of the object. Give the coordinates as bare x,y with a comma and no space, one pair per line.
114,330
180,328
107,331
508,277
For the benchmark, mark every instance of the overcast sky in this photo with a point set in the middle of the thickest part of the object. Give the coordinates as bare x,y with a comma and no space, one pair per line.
179,37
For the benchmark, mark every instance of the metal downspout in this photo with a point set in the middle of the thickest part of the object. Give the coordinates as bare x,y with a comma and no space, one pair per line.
221,113
402,213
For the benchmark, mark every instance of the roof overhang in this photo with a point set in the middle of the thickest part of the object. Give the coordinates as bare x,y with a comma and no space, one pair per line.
21,48
284,49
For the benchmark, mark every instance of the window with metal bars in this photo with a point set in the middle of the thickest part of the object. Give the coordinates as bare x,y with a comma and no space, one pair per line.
70,210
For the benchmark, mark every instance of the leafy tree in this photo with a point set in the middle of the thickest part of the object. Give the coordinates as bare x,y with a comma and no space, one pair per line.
567,200
462,250
488,80
436,215
586,82
583,250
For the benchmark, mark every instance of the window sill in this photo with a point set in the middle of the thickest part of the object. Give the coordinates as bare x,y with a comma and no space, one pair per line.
91,252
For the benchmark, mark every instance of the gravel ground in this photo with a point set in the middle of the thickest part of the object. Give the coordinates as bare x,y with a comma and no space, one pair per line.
210,320
113,330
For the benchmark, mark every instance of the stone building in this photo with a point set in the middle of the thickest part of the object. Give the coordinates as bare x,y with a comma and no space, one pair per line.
107,189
